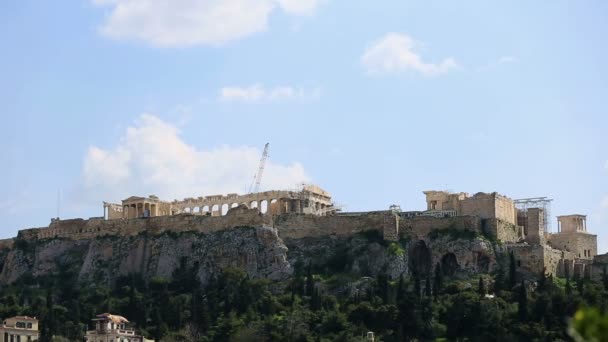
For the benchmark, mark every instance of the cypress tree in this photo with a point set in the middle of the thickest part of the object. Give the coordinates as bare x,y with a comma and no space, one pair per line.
542,282
315,300
400,289
568,287
512,269
522,300
499,279
427,287
605,278
50,318
310,283
482,287
437,280
383,288
417,288
580,286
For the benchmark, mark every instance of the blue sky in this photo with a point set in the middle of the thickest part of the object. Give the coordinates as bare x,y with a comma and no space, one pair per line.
375,101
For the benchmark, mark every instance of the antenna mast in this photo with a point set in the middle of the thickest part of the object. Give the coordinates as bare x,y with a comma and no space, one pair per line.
257,178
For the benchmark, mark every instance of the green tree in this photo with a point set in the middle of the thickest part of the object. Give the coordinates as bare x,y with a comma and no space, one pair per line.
481,289
588,324
437,280
310,283
512,270
522,301
427,287
417,288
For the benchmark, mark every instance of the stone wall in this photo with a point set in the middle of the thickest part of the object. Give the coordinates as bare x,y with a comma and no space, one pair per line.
297,226
390,228
290,225
503,231
600,266
583,245
488,206
77,229
535,226
533,259
418,227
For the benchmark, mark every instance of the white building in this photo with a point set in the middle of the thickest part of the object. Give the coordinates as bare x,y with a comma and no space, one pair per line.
112,328
19,329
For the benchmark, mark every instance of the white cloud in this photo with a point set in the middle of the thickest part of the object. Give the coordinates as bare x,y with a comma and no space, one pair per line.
506,59
300,7
151,158
396,52
178,23
604,203
259,93
500,61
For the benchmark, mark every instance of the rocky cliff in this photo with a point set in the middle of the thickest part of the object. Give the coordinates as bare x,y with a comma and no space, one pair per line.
260,251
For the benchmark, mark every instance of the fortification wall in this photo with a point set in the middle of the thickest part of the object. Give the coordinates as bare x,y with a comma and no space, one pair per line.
500,230
488,206
481,205
584,245
418,227
599,268
77,229
505,209
291,225
297,226
533,259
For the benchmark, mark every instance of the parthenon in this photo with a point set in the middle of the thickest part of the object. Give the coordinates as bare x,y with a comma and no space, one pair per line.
311,199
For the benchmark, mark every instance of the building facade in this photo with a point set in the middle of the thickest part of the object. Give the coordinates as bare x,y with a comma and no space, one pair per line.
113,328
19,329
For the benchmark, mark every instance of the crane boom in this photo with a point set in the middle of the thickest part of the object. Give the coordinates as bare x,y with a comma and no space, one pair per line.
255,186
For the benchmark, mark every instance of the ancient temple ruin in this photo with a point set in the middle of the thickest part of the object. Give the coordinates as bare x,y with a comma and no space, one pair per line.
310,199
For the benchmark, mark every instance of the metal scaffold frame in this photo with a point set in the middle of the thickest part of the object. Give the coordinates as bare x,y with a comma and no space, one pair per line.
543,203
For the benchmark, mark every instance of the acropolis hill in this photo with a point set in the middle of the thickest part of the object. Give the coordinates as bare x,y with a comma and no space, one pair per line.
266,232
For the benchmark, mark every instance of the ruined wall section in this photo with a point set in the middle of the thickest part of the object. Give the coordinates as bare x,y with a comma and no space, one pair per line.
599,268
503,231
583,245
418,227
488,206
533,259
535,226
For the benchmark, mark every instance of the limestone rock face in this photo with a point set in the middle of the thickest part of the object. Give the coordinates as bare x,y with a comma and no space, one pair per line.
258,251
464,256
364,257
356,255
344,259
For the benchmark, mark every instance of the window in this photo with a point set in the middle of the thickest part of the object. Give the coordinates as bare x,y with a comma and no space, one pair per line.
29,325
518,263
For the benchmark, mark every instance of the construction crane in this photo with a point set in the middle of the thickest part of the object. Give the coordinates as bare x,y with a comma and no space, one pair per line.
257,178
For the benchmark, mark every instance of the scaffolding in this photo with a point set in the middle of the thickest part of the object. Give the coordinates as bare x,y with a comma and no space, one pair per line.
543,203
